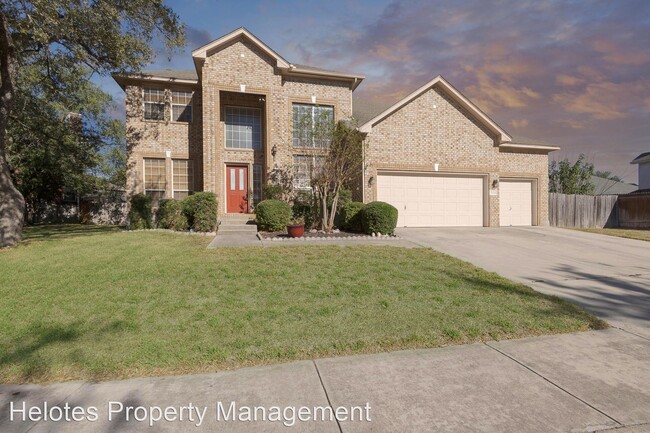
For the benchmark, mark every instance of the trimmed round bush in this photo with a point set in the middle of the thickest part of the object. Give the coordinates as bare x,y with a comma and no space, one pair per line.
140,215
272,215
379,217
272,191
200,209
350,216
170,216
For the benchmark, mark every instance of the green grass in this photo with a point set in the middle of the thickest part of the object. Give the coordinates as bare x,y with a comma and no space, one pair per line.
642,235
96,303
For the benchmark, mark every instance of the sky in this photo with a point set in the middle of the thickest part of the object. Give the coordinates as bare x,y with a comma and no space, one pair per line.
575,74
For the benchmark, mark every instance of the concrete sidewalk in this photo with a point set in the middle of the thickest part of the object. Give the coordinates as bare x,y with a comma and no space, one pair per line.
592,381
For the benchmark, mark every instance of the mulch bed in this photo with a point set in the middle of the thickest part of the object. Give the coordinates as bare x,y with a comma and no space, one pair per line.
320,234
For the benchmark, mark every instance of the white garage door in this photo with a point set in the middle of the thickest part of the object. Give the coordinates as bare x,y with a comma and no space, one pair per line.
515,203
433,200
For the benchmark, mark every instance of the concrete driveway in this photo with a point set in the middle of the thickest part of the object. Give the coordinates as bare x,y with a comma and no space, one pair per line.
607,275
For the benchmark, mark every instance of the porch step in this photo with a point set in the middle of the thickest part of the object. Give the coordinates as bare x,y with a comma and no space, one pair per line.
237,223
252,228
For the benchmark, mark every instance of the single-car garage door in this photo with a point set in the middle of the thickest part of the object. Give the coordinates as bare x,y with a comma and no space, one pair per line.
424,200
515,203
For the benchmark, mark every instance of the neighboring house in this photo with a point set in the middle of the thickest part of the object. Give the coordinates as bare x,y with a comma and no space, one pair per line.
604,186
222,128
643,161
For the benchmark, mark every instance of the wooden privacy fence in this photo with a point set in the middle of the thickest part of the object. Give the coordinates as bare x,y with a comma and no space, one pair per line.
582,211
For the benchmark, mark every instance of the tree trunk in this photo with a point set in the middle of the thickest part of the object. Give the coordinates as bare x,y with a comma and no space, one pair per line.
332,213
323,211
12,204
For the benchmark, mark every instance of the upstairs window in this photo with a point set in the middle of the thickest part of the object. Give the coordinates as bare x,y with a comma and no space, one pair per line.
243,128
154,104
312,125
155,179
183,178
181,106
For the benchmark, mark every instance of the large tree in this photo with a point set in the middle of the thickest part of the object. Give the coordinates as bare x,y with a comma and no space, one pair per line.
48,39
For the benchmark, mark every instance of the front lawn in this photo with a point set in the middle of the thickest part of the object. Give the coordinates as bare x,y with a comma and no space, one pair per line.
93,303
642,235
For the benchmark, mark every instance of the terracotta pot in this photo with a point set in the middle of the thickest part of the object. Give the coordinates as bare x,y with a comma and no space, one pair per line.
295,230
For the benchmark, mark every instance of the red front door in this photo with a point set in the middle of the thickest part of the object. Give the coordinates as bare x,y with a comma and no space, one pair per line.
236,189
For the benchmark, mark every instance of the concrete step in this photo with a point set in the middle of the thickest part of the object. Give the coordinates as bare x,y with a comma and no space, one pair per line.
252,228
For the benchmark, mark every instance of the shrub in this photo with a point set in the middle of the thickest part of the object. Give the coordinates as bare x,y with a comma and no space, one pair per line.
304,207
272,215
140,216
272,191
170,215
379,217
350,216
200,209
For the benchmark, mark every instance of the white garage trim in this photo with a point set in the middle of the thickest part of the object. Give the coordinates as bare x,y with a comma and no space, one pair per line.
518,202
427,199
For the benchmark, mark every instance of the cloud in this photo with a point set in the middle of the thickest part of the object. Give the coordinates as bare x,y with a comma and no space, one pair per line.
195,38
519,123
568,80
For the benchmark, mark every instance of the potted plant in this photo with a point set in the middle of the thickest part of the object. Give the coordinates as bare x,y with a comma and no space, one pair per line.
296,227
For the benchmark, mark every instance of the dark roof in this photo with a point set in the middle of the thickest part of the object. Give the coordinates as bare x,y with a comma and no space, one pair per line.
644,157
179,74
607,186
315,69
366,109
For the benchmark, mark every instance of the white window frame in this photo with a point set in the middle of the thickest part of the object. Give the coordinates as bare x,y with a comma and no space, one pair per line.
144,104
190,163
225,128
190,105
144,176
312,141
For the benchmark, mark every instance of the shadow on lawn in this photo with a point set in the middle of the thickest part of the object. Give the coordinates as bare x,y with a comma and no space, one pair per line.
65,231
558,308
25,350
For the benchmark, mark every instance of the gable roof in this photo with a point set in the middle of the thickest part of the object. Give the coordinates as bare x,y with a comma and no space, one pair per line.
644,157
369,114
202,52
286,68
451,91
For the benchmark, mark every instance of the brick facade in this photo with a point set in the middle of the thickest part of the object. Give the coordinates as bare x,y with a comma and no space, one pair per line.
431,129
434,129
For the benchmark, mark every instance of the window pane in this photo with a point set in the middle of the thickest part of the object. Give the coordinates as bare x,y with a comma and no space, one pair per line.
183,177
154,104
243,128
312,125
154,177
257,183
241,179
181,106
232,179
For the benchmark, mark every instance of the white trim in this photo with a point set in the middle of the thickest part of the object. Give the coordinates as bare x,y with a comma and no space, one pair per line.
455,94
528,146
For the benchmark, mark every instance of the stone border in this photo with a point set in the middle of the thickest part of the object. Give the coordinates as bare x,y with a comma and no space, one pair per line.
332,238
187,233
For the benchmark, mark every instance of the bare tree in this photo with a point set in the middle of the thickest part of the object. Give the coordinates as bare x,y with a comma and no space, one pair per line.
337,168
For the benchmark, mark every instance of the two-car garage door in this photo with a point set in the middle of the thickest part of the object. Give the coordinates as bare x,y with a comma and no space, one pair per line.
433,200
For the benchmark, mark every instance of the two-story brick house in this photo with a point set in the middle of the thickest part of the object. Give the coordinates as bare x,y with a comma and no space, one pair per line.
223,126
